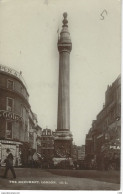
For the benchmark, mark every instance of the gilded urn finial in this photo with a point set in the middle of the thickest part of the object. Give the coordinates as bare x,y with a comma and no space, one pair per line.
65,21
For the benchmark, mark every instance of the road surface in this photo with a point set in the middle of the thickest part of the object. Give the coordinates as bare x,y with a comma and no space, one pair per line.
38,179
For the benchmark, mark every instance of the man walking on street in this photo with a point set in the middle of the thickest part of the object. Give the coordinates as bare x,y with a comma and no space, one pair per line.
9,164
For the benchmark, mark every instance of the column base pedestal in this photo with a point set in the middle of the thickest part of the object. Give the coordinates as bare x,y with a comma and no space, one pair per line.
63,144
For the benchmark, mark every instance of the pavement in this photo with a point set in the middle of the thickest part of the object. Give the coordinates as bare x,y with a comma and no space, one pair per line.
39,179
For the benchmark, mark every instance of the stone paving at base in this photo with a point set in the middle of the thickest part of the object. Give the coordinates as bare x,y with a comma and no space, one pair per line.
37,179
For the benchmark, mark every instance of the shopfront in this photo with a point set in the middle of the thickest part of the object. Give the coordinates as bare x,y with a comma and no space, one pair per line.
15,148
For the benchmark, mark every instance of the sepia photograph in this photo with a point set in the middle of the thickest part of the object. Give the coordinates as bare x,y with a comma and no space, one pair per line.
60,95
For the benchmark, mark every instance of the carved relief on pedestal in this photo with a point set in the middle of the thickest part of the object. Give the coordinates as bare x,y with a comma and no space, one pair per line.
62,149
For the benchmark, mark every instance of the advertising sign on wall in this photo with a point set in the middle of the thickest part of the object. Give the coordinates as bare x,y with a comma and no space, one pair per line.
12,72
10,115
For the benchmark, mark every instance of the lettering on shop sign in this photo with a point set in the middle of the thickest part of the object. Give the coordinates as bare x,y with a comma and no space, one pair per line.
115,147
10,142
10,115
10,71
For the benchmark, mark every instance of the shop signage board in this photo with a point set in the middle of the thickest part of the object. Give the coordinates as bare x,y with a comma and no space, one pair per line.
10,115
10,142
12,72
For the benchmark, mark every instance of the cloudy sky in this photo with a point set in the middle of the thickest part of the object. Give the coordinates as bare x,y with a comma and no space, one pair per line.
28,42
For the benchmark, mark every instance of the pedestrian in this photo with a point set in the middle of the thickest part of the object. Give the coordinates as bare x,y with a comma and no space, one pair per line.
35,160
9,164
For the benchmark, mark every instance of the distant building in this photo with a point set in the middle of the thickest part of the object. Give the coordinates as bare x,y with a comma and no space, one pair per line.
78,156
34,132
81,152
47,147
74,152
104,137
38,140
14,116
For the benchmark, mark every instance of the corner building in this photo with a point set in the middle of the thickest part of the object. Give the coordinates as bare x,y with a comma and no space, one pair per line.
14,115
104,137
47,148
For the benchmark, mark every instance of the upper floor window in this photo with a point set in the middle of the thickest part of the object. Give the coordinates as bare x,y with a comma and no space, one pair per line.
10,84
9,130
48,133
21,110
22,91
10,104
26,127
44,133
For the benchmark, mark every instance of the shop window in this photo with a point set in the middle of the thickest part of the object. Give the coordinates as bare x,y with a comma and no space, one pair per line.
9,130
10,103
10,84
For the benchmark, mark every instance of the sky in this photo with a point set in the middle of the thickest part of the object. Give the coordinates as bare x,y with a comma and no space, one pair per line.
28,43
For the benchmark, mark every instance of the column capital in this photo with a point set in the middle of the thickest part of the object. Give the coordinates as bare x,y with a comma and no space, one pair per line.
64,41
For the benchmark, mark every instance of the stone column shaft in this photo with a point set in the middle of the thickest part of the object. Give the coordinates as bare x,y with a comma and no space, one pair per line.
63,117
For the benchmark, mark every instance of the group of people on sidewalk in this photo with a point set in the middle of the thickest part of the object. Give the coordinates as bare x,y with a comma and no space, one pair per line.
9,164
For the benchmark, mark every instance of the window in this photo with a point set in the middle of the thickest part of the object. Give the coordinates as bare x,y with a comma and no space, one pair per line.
26,127
48,133
21,110
10,84
43,145
26,132
9,130
10,103
21,89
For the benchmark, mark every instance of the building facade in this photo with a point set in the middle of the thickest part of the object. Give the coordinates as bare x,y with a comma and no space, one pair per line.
14,115
38,140
75,153
78,156
104,137
81,152
47,148
34,132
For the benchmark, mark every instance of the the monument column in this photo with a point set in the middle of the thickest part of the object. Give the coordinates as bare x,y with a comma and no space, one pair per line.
64,47
63,136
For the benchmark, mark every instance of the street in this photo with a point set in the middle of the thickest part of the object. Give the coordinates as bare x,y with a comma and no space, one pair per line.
41,179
